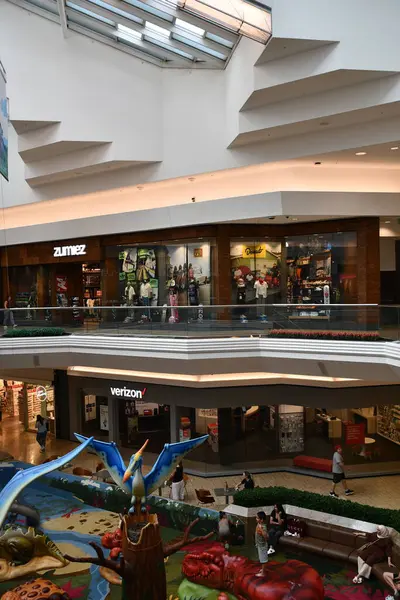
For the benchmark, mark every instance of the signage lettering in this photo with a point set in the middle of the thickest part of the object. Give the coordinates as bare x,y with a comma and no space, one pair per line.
77,250
127,393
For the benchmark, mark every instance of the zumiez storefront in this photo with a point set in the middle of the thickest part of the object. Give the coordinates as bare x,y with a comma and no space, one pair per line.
304,264
266,434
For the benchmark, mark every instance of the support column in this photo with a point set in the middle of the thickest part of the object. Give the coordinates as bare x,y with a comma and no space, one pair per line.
225,435
174,423
62,406
113,420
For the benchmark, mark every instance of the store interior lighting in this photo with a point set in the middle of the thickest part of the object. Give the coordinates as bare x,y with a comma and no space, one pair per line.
244,17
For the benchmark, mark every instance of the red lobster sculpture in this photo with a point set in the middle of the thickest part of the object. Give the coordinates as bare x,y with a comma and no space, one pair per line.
217,569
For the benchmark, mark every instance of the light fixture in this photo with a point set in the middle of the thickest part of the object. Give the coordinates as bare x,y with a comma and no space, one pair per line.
241,16
361,153
192,178
387,222
395,148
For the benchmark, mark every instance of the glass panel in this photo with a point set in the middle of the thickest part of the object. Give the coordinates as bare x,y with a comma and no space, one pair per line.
118,11
128,34
219,40
189,27
202,47
89,13
167,46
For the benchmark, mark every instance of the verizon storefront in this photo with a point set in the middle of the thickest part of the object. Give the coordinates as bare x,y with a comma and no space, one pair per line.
126,412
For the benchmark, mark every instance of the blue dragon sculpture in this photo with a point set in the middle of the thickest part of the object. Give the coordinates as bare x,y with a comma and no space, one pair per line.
131,479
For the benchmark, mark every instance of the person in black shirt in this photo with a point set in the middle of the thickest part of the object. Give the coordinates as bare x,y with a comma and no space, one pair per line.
178,483
247,482
277,526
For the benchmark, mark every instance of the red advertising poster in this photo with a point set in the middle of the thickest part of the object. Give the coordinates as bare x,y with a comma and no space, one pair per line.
61,284
355,434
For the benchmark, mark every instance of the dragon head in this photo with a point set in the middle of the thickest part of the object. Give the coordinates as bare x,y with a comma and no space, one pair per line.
205,568
135,462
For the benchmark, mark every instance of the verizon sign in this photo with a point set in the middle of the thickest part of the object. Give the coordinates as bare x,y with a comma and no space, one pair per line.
77,250
125,392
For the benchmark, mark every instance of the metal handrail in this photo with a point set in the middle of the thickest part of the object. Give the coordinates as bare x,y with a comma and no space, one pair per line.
242,306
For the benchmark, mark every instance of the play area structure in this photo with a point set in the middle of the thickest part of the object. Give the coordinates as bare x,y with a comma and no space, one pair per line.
59,548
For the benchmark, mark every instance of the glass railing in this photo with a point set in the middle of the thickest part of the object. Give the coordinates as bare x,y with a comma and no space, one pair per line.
336,321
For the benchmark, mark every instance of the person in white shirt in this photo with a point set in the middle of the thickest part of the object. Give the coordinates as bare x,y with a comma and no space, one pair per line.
261,287
146,293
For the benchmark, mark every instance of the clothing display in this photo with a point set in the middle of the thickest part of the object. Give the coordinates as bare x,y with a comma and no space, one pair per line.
241,291
130,293
145,290
261,287
193,293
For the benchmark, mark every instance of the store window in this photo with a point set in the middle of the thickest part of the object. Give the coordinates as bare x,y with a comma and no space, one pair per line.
255,271
22,402
140,420
321,269
95,417
164,275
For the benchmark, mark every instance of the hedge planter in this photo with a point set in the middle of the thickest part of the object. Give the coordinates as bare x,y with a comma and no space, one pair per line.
350,336
35,332
316,502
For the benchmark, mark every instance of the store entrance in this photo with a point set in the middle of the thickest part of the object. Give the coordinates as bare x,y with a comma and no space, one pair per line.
139,421
23,402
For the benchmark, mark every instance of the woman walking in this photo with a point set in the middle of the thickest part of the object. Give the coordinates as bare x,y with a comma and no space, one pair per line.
178,483
41,426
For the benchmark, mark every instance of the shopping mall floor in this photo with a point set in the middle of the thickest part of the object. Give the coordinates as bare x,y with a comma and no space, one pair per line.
383,491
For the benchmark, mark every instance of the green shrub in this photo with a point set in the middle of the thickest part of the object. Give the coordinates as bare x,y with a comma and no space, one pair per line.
35,332
333,506
315,334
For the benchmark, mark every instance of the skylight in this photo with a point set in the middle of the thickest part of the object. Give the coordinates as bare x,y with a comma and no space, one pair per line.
89,13
157,29
190,42
128,34
151,10
117,11
189,27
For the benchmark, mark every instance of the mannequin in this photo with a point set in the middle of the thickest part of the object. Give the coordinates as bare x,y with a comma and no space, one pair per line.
173,301
146,294
130,294
241,291
193,293
261,287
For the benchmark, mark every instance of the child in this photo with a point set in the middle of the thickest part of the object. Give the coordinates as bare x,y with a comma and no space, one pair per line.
224,530
261,541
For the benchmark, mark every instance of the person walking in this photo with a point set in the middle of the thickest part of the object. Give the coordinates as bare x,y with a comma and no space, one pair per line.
224,530
261,541
8,314
41,426
178,483
338,473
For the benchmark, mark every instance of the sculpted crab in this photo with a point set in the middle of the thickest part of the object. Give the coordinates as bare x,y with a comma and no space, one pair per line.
37,589
217,569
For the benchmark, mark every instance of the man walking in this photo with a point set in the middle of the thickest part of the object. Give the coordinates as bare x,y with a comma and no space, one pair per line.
338,473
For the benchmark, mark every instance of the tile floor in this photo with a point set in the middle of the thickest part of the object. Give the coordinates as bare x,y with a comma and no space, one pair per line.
377,491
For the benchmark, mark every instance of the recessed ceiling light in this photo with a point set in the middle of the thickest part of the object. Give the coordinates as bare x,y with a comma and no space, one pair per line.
295,219
318,163
395,148
387,222
192,178
361,153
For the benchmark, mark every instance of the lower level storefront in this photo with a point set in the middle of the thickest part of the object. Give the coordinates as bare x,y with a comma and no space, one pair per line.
24,401
255,436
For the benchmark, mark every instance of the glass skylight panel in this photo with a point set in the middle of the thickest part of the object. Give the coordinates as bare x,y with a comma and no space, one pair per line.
166,46
89,13
117,11
130,35
189,27
157,29
151,10
190,42
219,40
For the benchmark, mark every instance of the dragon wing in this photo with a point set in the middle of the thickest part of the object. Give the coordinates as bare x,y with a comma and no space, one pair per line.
24,477
167,461
111,457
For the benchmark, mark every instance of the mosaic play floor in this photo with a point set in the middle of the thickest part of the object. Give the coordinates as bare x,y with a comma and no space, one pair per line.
71,524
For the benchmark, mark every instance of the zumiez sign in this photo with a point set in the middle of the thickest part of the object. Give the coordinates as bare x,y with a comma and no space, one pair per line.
78,250
127,393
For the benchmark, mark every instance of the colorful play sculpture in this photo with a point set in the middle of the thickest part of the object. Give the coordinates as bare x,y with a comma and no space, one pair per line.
37,589
24,552
215,568
131,479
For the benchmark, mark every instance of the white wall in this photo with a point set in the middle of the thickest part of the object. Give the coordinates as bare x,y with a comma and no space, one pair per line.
182,121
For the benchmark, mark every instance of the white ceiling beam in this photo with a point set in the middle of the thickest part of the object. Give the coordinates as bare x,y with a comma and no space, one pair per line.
63,17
